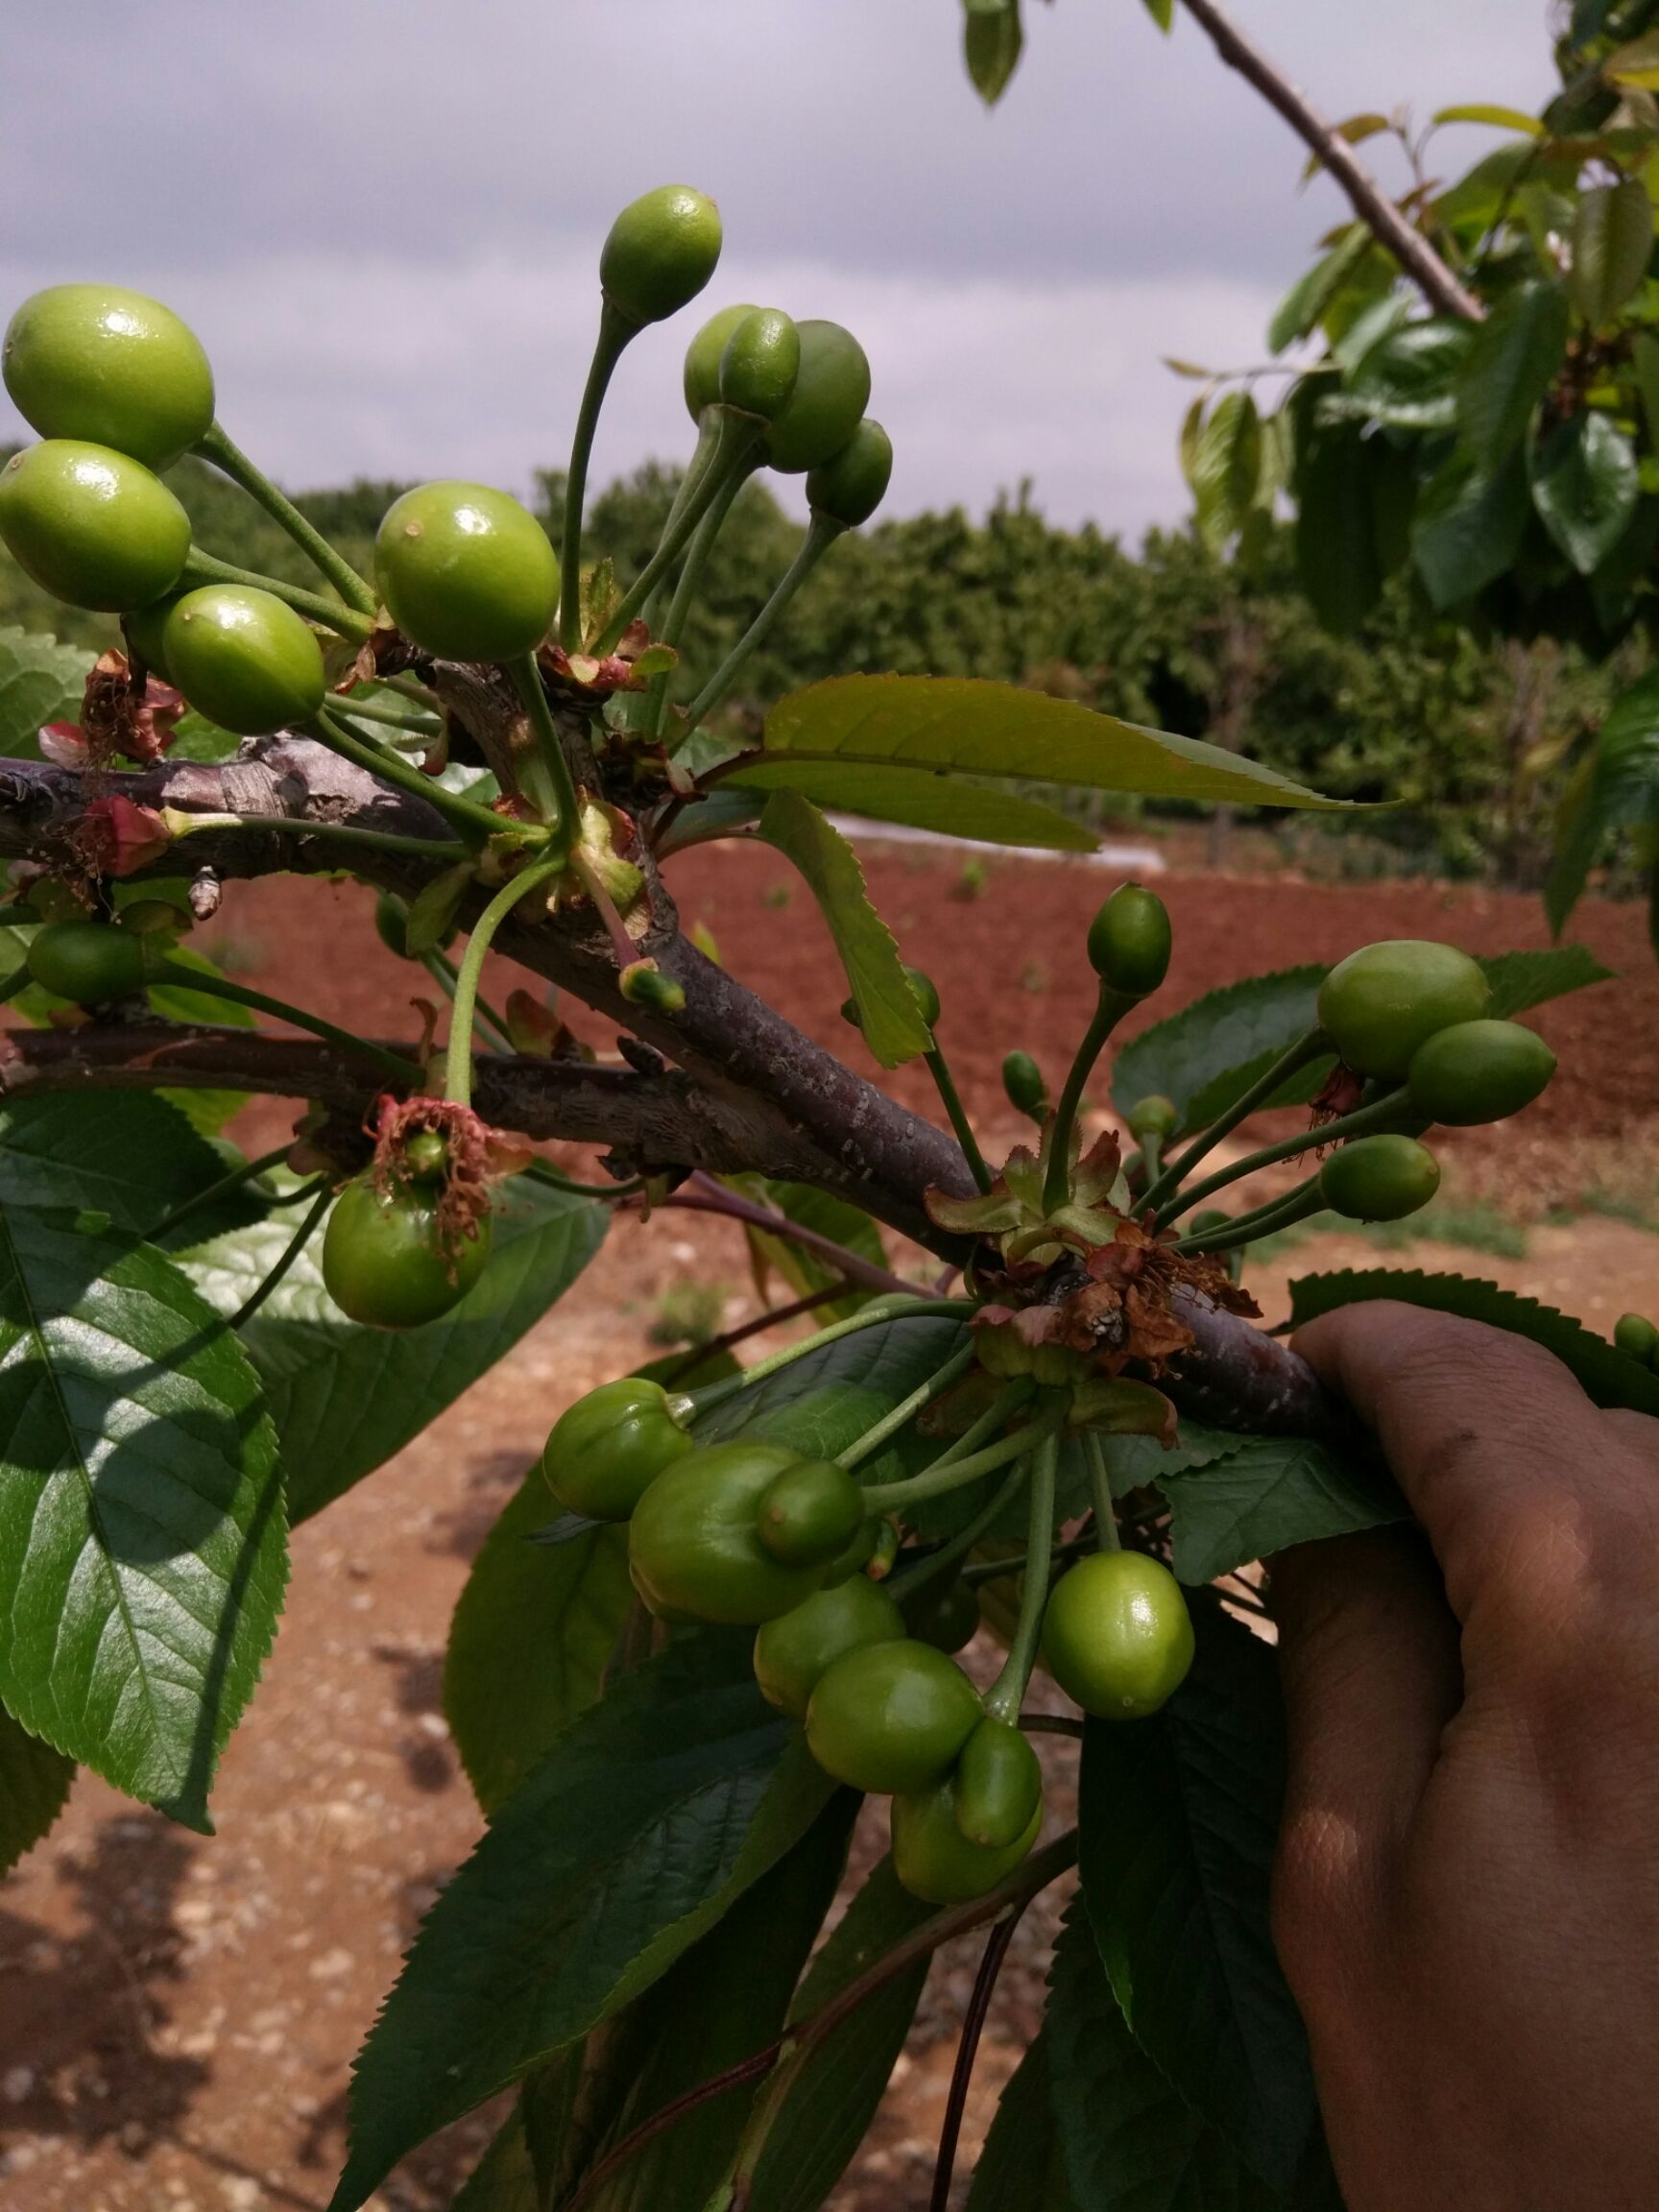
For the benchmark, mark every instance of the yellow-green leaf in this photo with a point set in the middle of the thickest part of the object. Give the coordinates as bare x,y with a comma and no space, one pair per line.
1500,118
984,728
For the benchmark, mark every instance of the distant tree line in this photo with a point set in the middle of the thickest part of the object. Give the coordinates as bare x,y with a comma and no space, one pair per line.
1472,737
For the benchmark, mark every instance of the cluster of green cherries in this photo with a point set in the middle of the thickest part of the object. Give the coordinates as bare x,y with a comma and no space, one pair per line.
119,389
749,1533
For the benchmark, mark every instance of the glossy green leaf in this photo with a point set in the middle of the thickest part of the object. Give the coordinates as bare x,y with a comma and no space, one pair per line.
1644,361
40,682
1522,981
992,40
1270,1492
175,1002
1612,243
1128,2142
1468,528
1227,468
1301,306
125,1153
1584,487
1500,118
1178,1818
722,2001
1606,1374
1579,827
984,728
1020,2169
821,1402
533,1632
142,1545
887,1010
830,2106
346,1398
1512,362
1408,379
652,1814
923,799
33,1787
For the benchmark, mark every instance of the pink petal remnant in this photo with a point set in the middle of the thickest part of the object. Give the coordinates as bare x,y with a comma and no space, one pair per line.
64,744
117,836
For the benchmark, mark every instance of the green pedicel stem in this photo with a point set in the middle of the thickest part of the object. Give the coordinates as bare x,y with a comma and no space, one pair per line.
458,1058
548,777
738,435
295,1244
1106,1536
181,978
1004,1698
1306,1199
1110,1008
203,569
1392,1114
907,1408
347,833
486,1019
821,534
1308,1047
233,462
615,330
946,1475
476,823
248,1173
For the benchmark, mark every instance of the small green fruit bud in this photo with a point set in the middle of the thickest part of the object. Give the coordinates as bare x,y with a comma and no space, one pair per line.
644,984
760,363
851,485
1129,941
1154,1117
1636,1335
926,995
660,253
1022,1081
702,357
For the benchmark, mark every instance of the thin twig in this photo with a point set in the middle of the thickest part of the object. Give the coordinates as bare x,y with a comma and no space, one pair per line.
1437,284
713,1197
967,2050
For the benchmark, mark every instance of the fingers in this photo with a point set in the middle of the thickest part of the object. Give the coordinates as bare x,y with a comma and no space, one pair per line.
1499,1451
1368,1659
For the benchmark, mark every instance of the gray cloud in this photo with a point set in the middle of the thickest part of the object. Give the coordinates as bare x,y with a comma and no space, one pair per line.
383,214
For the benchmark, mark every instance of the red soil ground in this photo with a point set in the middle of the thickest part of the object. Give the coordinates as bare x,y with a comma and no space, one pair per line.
178,2015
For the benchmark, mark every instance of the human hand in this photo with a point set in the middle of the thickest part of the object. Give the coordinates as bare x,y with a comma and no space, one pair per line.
1466,1900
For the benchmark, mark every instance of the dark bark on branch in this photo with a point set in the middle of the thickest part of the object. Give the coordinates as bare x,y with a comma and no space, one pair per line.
750,1091
1436,282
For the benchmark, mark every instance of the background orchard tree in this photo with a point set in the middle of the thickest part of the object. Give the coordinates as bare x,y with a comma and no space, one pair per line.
1471,397
723,1608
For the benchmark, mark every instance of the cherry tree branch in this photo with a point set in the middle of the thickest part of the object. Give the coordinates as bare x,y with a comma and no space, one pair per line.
1437,284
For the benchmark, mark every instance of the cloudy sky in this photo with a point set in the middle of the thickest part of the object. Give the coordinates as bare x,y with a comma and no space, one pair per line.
383,216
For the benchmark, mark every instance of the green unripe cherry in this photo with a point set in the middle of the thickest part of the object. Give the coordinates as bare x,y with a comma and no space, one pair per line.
831,392
810,1513
603,1452
1384,1001
95,361
1129,941
1479,1071
794,1652
467,572
1636,1335
891,1717
1117,1636
144,627
760,363
694,1550
998,1784
1022,1082
659,252
244,658
702,378
851,485
935,1860
91,526
87,962
1153,1116
386,1262
1379,1178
